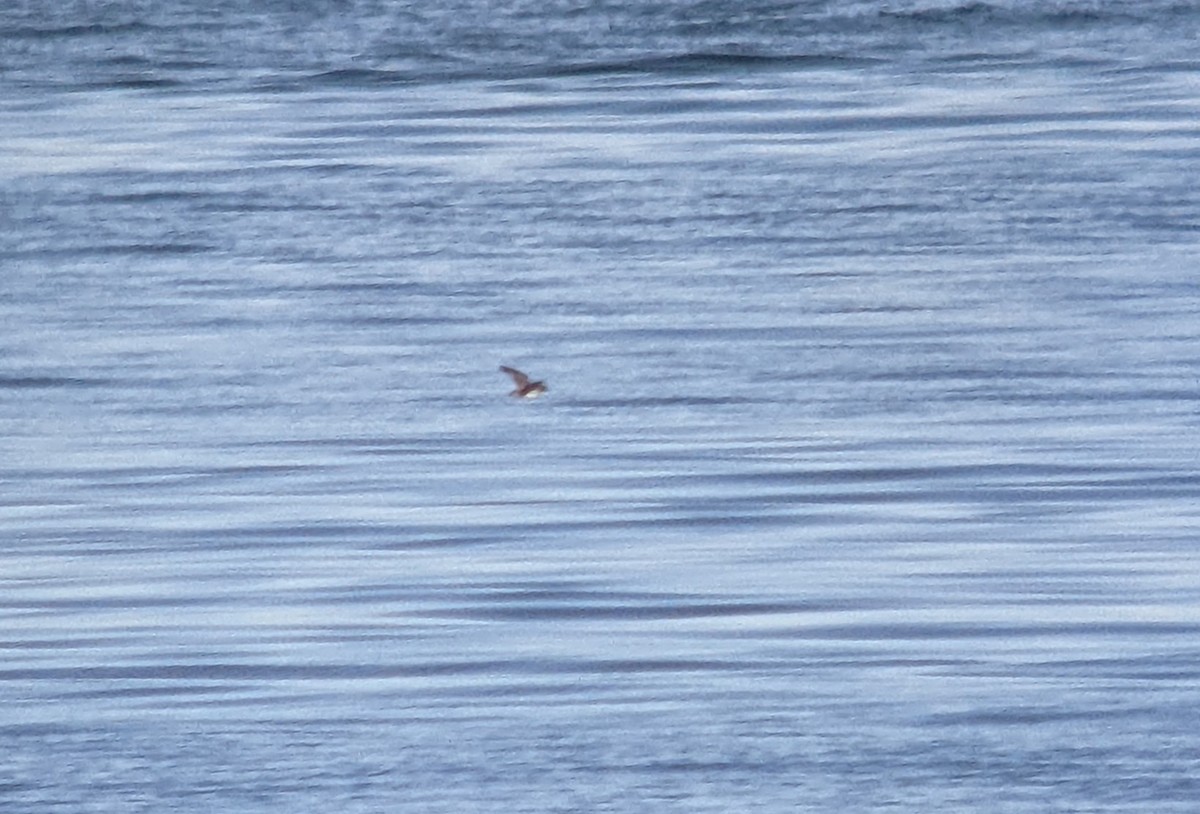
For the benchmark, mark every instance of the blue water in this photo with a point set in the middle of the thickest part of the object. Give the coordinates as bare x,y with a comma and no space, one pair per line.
868,474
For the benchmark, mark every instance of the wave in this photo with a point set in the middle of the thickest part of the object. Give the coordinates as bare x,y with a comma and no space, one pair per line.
1032,16
287,50
36,32
706,62
699,62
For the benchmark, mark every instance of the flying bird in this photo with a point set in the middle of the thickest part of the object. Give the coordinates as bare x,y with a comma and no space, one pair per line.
525,388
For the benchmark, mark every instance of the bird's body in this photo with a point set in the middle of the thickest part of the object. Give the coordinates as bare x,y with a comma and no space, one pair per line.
525,388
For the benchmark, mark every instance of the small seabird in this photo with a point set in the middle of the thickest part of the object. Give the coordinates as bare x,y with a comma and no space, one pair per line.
525,388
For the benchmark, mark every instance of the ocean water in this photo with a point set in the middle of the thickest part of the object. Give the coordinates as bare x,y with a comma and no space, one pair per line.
867,478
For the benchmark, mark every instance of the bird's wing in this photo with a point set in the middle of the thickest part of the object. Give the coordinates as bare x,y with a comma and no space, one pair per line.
517,376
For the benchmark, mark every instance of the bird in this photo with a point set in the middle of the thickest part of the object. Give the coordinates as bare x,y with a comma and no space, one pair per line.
525,388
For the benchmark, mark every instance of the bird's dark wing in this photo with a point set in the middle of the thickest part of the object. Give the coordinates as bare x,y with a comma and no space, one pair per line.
519,378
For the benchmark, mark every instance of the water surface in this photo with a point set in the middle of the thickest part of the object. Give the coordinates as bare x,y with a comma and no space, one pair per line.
867,474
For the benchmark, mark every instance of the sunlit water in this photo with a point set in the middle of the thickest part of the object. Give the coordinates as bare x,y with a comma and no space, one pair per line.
866,480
